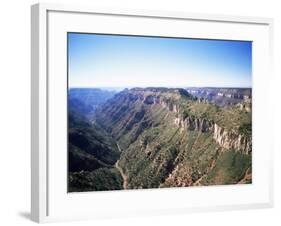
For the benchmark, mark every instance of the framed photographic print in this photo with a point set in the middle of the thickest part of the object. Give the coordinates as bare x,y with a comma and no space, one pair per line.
144,112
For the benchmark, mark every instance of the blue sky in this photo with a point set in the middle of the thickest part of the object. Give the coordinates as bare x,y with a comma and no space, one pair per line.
136,61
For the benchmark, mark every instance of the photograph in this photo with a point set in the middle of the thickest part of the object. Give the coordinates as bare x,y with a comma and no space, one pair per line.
147,112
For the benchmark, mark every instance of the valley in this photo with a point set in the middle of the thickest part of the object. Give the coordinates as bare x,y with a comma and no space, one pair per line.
124,177
159,137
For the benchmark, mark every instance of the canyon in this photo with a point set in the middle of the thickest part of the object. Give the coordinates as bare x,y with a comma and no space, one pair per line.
162,137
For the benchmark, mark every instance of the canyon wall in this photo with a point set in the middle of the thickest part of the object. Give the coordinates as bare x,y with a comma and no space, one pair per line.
228,139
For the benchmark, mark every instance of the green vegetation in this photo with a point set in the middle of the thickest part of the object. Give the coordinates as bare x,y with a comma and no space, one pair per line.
233,118
92,142
229,117
91,154
246,129
230,168
200,110
80,160
99,180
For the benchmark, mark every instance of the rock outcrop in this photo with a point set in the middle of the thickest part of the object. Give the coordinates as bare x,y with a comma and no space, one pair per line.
232,140
194,124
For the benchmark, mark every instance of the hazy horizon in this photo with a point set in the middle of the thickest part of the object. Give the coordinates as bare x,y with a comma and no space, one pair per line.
180,87
137,61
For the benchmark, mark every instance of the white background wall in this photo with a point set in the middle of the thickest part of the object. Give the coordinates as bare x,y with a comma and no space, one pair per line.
15,109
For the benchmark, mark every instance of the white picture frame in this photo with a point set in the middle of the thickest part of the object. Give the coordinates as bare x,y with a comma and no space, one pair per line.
49,24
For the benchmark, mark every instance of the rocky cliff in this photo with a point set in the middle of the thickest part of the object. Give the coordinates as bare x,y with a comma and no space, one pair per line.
232,140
